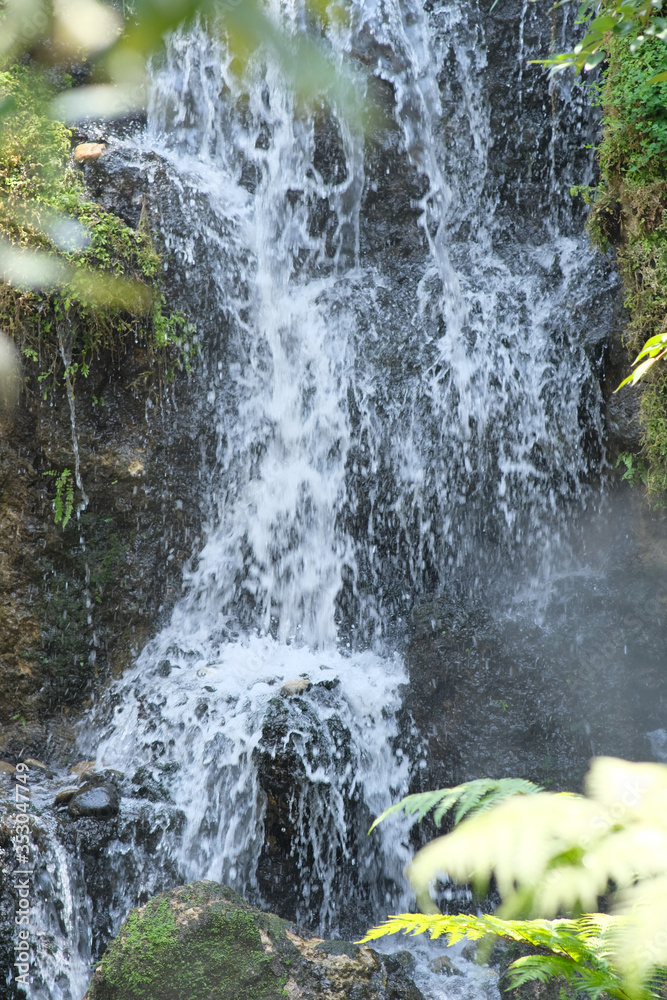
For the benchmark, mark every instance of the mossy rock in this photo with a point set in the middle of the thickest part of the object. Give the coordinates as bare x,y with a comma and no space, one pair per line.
195,942
204,942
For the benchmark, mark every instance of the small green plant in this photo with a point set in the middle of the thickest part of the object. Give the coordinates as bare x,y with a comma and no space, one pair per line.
63,500
635,469
583,191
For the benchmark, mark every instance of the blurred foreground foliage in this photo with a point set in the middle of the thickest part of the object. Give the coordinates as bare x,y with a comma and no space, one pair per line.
101,278
109,52
555,853
78,287
607,21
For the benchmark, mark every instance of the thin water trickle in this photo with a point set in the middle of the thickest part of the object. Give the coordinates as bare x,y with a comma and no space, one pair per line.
398,404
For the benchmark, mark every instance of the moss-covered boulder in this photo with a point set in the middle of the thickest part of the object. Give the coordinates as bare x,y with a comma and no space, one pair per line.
204,942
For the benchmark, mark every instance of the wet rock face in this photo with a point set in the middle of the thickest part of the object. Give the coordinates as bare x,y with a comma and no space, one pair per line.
293,746
493,695
108,848
203,940
315,816
8,863
76,603
97,801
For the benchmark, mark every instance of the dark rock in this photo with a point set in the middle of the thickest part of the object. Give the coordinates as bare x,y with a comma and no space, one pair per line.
147,787
339,948
401,960
303,739
64,797
204,940
77,603
99,801
533,990
444,965
491,696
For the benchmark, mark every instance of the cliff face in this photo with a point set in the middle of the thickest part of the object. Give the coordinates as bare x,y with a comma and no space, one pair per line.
77,601
97,495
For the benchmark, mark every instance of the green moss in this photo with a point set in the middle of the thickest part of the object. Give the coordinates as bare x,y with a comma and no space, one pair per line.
635,138
109,295
654,419
630,214
194,943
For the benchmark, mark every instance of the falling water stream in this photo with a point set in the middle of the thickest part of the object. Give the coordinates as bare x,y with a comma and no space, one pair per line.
395,399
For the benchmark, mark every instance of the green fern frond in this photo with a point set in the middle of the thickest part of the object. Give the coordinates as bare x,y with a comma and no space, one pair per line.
541,968
482,794
471,796
550,853
562,937
592,981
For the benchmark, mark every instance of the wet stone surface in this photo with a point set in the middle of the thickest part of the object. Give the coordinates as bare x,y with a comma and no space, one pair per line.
97,801
534,692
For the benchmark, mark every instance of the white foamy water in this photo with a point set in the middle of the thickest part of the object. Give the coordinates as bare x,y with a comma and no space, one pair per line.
207,721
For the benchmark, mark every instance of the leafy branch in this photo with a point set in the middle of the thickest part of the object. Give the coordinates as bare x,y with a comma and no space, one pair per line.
472,796
609,19
653,350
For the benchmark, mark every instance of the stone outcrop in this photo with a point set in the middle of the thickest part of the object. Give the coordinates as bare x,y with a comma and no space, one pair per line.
203,941
76,603
493,697
97,801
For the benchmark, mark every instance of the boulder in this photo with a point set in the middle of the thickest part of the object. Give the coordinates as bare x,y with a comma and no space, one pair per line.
444,965
98,800
204,942
87,152
297,686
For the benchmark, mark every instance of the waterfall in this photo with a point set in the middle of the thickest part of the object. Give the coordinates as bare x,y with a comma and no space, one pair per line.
394,399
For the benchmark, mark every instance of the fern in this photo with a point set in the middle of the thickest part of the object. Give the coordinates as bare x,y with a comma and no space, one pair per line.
471,796
580,939
551,853
585,979
579,950
63,501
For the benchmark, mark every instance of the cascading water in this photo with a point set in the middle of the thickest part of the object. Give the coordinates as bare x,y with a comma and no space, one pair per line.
395,401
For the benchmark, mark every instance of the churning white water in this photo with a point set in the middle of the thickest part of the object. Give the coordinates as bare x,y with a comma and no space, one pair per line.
399,403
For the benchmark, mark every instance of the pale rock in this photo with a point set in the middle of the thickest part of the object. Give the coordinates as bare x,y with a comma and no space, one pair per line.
81,768
88,152
298,686
31,762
